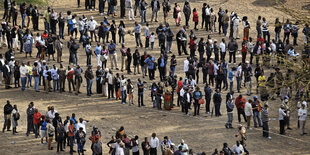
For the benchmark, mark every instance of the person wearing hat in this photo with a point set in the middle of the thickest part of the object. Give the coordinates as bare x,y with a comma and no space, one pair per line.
286,104
80,137
282,114
89,76
265,119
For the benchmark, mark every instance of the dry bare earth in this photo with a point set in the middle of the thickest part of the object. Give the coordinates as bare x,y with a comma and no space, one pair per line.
200,133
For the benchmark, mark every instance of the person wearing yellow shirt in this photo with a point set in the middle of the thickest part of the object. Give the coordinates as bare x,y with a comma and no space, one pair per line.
29,74
262,84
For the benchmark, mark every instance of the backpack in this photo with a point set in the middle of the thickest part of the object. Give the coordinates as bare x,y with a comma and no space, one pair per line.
16,116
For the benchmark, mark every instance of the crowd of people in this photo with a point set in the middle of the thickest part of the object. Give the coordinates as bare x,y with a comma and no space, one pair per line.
170,90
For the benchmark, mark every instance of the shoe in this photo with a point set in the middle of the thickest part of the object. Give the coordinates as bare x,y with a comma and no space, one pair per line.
269,137
226,126
289,128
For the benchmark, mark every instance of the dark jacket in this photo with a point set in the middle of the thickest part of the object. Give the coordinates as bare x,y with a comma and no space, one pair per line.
217,98
7,109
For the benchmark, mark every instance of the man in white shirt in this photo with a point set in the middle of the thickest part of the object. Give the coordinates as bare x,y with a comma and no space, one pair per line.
92,27
24,71
237,149
236,21
208,21
186,63
51,113
147,35
282,114
302,114
273,51
82,124
223,49
239,77
2,64
154,143
123,88
248,112
184,147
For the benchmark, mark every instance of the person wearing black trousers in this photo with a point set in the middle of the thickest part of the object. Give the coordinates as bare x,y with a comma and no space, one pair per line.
208,94
203,15
101,6
122,5
161,67
35,18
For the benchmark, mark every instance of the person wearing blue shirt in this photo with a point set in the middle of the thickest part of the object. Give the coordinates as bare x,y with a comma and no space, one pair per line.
231,75
43,130
151,66
106,29
112,54
98,54
74,121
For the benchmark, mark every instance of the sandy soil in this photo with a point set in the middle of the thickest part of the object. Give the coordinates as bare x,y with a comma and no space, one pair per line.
200,133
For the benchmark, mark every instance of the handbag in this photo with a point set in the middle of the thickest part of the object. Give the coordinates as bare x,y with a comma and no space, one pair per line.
201,101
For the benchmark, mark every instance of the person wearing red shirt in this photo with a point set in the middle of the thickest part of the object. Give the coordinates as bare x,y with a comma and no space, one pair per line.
244,49
240,103
36,121
195,18
71,129
69,74
180,86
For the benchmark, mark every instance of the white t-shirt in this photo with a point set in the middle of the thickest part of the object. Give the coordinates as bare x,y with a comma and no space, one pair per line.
152,38
123,85
223,47
24,70
302,113
184,147
248,109
92,25
186,62
82,125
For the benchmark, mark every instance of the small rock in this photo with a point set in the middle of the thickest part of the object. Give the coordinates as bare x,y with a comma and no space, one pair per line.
13,142
113,129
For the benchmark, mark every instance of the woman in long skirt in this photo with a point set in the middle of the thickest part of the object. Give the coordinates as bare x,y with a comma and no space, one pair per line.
15,118
167,97
99,74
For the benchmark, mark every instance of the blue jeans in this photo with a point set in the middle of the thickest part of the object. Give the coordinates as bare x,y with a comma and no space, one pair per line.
61,31
168,46
24,81
259,31
225,27
23,19
172,69
277,36
36,83
143,15
152,45
238,83
140,99
74,58
29,80
256,115
231,86
80,146
55,84
47,26
71,142
124,96
89,84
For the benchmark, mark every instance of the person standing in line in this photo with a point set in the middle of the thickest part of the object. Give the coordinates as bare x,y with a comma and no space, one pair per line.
229,107
287,27
123,88
89,76
60,136
109,76
50,132
240,104
282,114
97,147
80,137
217,99
187,12
71,129
154,144
236,21
43,130
256,105
302,114
78,78
35,73
69,75
208,94
137,30
15,118
145,147
24,72
258,26
112,54
136,61
248,113
36,121
30,114
140,86
155,8
197,97
265,120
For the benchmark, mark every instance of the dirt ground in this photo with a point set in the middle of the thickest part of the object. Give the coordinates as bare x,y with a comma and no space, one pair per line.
201,133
